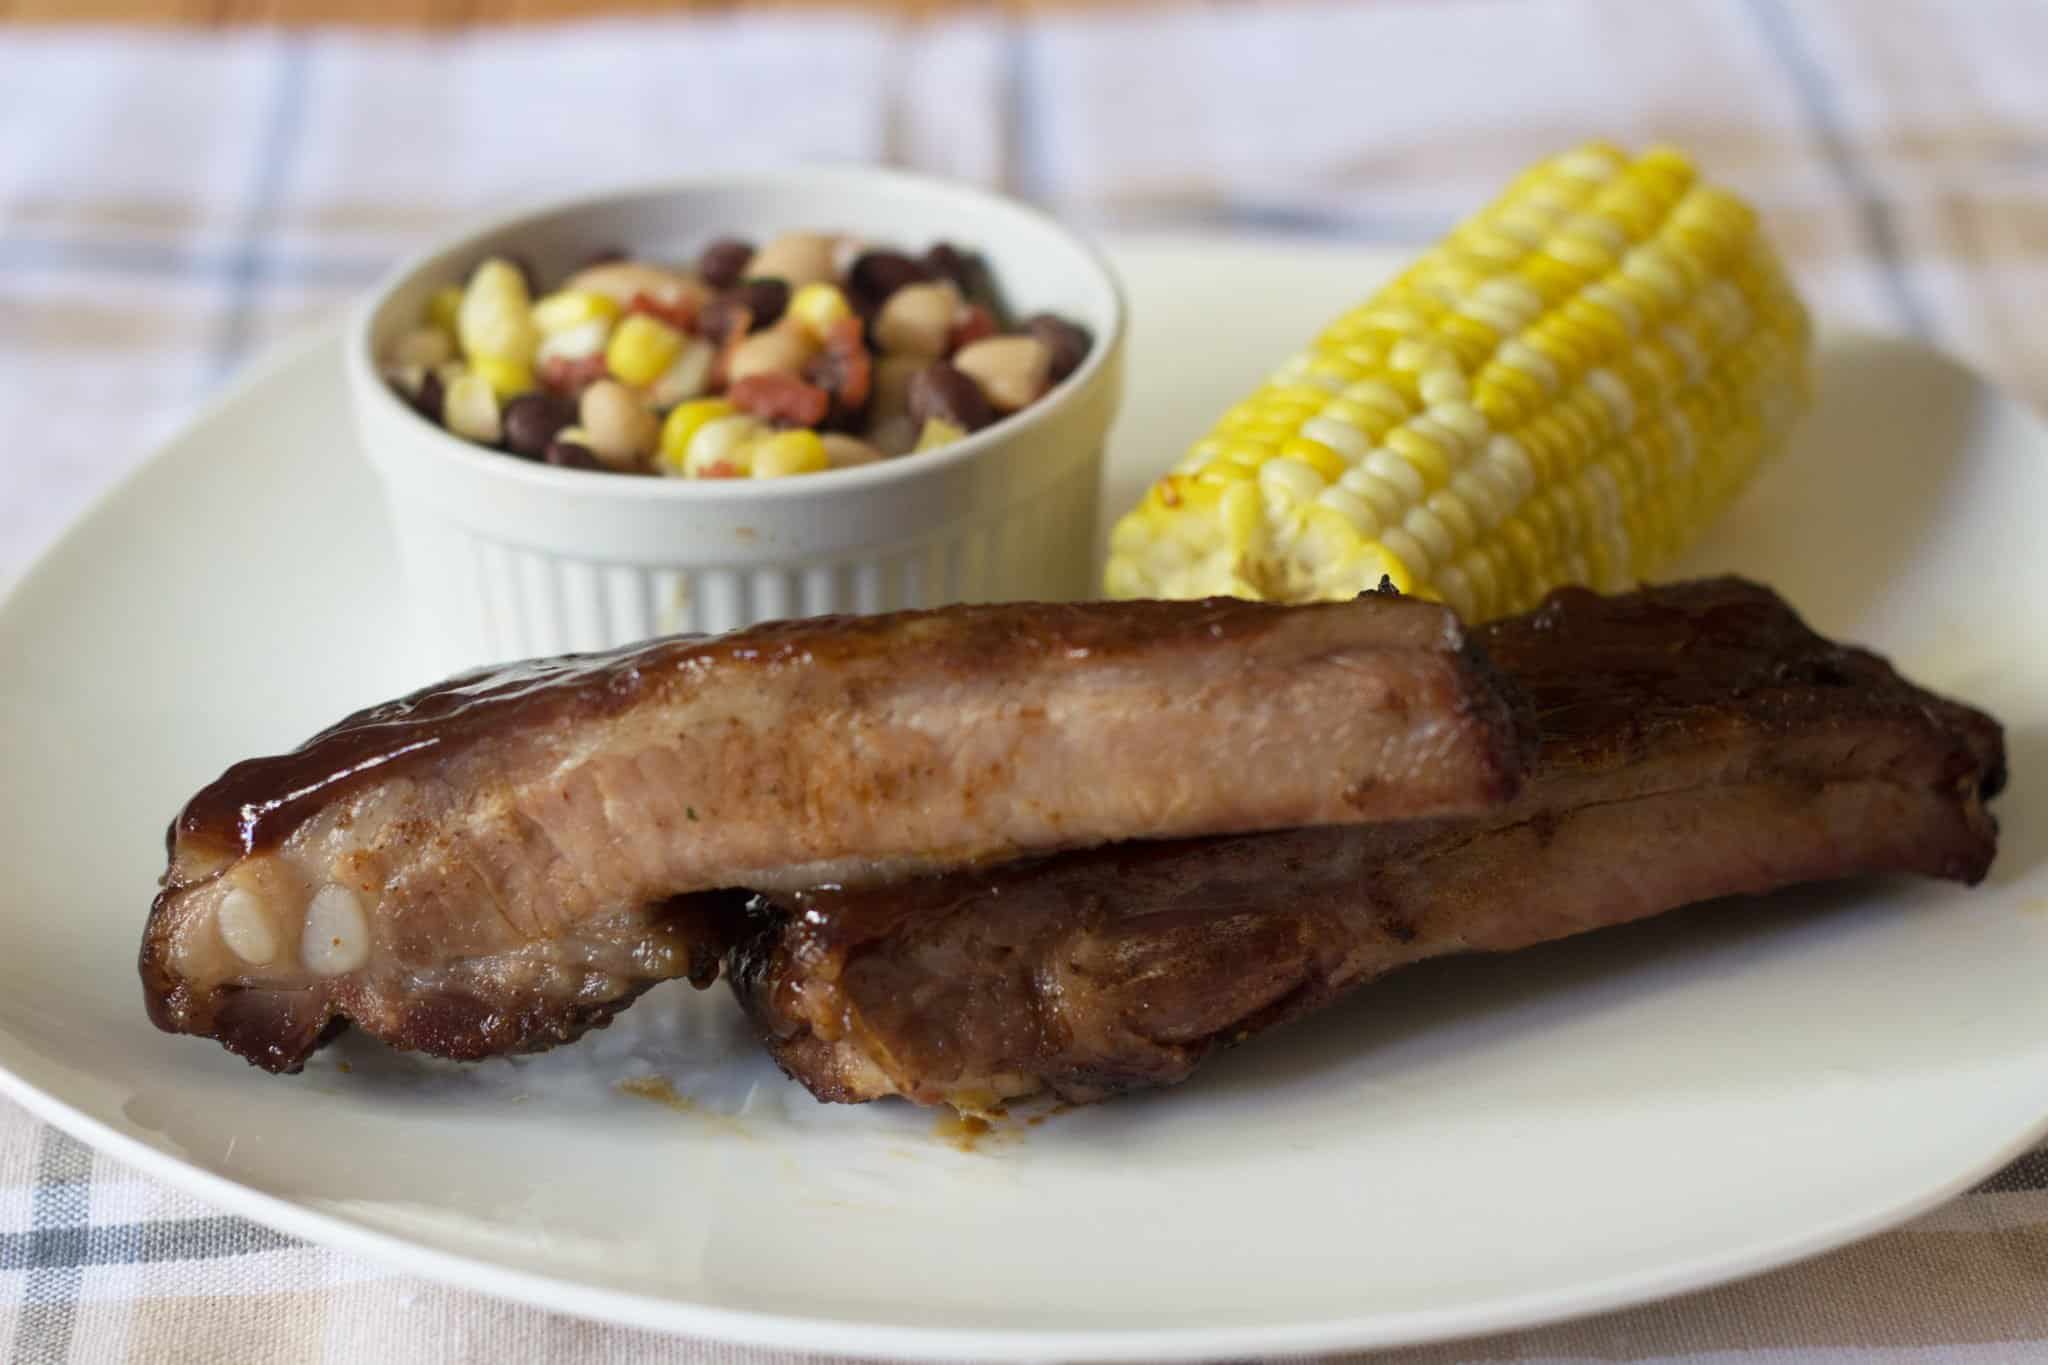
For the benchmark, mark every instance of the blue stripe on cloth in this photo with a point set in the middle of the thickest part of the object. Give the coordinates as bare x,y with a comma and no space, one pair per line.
284,121
1380,229
59,1205
55,1249
1028,172
1874,213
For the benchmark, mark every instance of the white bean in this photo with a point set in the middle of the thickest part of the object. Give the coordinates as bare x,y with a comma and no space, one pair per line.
796,258
425,347
847,451
783,349
469,407
688,376
893,435
1011,372
917,319
621,428
891,395
619,281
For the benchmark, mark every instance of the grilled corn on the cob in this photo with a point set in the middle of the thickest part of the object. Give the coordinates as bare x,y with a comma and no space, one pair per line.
1564,390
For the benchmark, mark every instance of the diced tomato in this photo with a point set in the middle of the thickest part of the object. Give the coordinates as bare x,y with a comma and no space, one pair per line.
571,376
780,398
681,314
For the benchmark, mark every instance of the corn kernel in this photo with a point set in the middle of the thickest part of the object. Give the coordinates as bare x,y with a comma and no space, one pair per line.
1317,456
1430,532
723,447
817,306
1548,445
790,452
1347,442
1221,472
566,308
574,343
1403,547
495,317
1425,456
1505,397
1446,385
507,377
938,432
1478,495
1293,397
1450,509
1541,519
442,306
1385,464
1519,356
1525,549
1471,339
1290,480
1353,508
1550,278
1550,340
641,348
1506,455
1508,583
682,423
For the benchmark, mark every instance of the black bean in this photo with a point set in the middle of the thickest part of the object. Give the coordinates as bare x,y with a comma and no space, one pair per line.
765,299
845,370
427,402
570,455
724,261
725,318
940,391
949,262
875,275
1068,342
970,273
531,421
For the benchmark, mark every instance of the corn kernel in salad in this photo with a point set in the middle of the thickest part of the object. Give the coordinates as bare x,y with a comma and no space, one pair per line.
682,424
790,452
784,356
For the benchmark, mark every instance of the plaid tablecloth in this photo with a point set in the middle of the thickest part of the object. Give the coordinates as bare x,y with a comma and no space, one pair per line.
169,202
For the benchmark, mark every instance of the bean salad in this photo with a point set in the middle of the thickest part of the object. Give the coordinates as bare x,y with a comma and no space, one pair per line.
811,351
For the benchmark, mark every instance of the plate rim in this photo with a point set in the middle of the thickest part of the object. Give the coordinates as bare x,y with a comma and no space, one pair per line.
836,1336
634,1308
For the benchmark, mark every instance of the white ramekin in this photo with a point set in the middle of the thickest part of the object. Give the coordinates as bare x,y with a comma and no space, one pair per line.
505,558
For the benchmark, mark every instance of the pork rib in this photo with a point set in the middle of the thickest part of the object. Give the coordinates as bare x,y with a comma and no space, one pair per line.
1693,742
495,863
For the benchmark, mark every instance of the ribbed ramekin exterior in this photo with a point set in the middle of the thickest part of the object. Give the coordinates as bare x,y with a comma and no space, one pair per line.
480,598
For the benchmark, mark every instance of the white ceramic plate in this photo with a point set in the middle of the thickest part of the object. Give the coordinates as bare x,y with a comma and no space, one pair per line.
1472,1146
